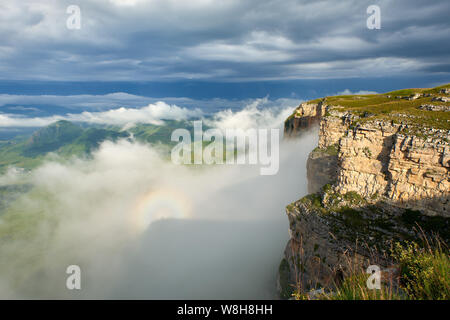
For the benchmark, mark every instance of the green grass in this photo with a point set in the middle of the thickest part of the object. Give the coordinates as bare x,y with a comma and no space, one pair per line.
423,270
12,155
423,273
355,287
388,106
332,150
313,200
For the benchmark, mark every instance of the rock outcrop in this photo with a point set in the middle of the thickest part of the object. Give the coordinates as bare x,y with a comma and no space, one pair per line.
305,116
432,107
373,178
322,167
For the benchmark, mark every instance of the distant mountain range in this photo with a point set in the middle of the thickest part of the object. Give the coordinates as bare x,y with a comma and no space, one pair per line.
69,139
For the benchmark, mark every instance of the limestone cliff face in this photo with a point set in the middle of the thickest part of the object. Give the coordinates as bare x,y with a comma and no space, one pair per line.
382,160
305,116
371,180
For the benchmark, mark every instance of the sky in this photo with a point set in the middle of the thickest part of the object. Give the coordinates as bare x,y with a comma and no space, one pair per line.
233,49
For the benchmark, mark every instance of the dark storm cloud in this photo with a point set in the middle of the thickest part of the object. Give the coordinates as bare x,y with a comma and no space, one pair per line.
222,40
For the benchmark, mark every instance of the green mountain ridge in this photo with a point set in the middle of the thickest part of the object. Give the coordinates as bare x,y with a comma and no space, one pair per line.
52,137
68,139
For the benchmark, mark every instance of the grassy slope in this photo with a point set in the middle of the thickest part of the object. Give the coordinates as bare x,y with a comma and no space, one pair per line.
393,107
11,154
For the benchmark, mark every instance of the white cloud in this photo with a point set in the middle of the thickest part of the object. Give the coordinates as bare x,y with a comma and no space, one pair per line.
153,113
258,46
10,120
255,115
347,92
97,212
120,109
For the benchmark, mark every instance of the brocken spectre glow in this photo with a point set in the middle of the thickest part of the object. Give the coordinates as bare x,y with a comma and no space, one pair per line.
159,204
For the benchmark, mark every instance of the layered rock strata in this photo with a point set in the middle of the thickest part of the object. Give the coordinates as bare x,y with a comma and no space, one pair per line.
372,181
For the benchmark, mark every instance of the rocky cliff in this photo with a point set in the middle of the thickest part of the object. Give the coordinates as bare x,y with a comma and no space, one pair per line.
305,116
381,170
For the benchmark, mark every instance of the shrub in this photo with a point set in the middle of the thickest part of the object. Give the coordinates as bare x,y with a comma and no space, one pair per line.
425,272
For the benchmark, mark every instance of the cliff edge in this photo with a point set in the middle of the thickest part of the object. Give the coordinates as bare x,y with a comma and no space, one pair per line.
380,172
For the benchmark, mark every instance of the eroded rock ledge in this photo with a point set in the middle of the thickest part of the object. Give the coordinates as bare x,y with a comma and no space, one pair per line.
305,116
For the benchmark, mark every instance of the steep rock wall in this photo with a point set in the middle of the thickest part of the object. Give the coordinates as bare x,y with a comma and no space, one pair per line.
380,159
305,116
370,181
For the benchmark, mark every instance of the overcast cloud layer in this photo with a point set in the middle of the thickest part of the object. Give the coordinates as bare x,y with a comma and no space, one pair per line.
222,40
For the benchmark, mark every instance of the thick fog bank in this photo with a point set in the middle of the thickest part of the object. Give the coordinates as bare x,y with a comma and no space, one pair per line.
142,227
